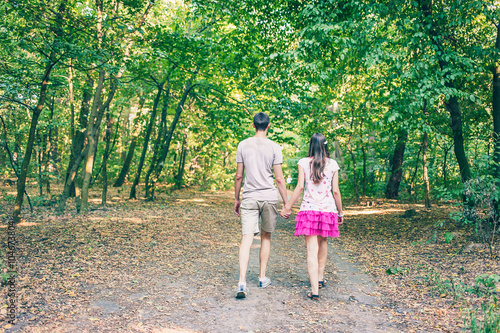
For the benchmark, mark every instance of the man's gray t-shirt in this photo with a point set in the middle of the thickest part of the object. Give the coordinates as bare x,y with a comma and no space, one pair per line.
258,156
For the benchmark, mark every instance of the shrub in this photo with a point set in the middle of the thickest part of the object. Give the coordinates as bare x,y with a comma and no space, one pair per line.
480,209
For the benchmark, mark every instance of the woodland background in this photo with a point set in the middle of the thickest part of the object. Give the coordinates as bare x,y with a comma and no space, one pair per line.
152,96
107,92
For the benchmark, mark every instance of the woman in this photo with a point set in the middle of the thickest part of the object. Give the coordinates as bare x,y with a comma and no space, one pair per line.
321,209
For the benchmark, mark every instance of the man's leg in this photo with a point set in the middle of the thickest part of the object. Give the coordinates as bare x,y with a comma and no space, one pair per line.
249,213
265,252
268,214
322,254
244,256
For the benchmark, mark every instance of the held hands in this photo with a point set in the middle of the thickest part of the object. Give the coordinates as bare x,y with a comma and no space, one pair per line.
285,212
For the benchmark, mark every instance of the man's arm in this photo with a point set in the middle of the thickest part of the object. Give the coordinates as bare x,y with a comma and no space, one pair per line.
280,182
287,208
238,179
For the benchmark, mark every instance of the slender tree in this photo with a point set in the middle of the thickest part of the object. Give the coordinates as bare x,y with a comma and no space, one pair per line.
146,138
392,188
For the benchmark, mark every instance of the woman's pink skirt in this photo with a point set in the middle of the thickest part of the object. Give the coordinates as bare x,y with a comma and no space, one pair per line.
314,223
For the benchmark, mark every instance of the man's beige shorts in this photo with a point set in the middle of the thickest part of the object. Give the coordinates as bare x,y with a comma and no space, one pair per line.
251,211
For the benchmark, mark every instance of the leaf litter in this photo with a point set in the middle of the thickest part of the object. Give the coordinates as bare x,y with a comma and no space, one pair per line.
172,265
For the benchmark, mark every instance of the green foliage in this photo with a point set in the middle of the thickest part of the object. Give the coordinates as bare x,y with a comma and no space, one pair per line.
448,237
484,320
5,273
358,72
486,284
480,210
6,276
443,286
395,270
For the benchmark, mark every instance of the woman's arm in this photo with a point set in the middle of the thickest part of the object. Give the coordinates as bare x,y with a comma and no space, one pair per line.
337,197
287,209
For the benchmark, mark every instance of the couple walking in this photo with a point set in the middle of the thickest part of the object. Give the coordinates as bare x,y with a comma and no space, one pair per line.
320,212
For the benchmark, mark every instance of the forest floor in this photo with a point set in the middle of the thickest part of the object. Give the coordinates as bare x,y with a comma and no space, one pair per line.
172,266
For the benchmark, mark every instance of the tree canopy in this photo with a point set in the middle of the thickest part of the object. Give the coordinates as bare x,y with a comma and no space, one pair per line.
160,92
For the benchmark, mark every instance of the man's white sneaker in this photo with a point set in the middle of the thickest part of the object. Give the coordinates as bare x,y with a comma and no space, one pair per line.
241,291
264,282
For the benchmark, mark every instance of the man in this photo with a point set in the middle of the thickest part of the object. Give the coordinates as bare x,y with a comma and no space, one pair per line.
257,157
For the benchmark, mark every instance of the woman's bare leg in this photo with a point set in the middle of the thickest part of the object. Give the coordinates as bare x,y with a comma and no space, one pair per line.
312,262
322,254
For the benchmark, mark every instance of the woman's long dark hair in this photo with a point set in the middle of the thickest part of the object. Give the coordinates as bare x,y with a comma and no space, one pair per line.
318,150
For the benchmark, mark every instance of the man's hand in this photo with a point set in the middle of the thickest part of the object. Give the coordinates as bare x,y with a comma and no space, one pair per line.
237,204
285,213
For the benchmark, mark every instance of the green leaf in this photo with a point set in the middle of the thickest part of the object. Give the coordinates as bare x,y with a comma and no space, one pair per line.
448,237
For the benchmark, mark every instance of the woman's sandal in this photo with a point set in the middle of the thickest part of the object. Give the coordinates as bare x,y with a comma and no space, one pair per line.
321,284
313,297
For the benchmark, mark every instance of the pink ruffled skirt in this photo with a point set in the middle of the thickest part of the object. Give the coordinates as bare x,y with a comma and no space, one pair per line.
314,223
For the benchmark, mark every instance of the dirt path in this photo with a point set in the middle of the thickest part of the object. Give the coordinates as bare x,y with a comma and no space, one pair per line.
172,267
348,303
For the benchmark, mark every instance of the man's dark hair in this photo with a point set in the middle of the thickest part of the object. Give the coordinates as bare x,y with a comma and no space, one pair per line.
261,121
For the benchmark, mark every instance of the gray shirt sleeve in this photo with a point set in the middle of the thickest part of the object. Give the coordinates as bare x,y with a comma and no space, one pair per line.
278,155
239,156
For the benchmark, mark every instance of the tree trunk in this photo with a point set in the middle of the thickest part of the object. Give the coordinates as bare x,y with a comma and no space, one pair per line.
91,124
353,158
21,181
71,179
458,138
445,170
363,150
392,189
71,98
52,151
44,162
93,134
168,139
91,142
107,138
38,160
126,165
425,143
496,110
162,132
108,152
131,149
146,140
125,135
412,182
47,149
77,143
182,162
355,173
